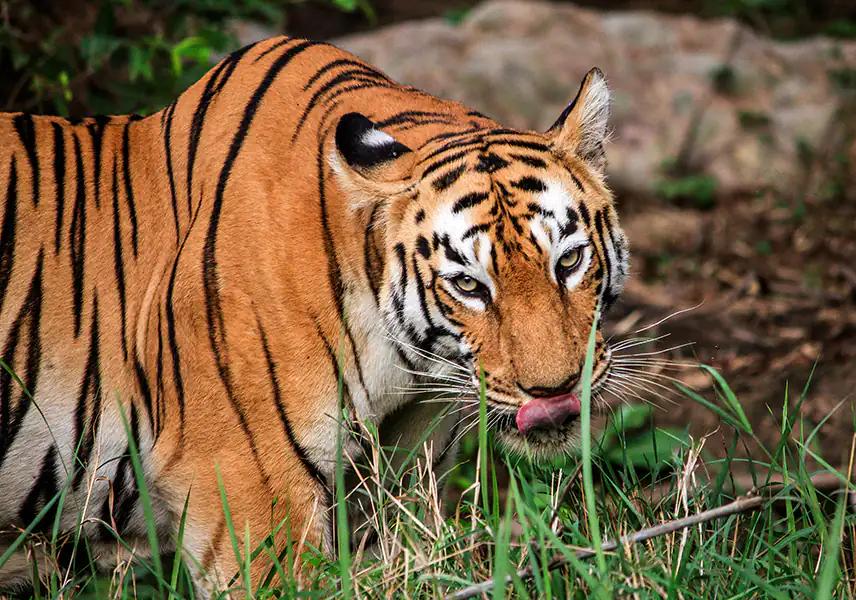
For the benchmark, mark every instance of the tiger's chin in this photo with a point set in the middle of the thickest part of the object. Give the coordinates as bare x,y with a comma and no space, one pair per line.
540,445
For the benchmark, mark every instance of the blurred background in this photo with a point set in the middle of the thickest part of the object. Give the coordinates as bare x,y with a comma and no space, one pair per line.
733,155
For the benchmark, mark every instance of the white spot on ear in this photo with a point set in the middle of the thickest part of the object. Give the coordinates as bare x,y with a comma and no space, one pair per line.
376,137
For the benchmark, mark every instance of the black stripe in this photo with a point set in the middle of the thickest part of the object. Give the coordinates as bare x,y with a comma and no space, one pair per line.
159,383
608,295
490,163
362,74
145,391
341,62
42,492
400,254
59,179
420,216
118,263
442,162
521,144
468,201
447,179
423,303
125,487
452,254
96,133
87,413
532,161
584,213
221,73
448,135
172,338
213,309
414,117
311,468
167,144
7,232
572,223
337,372
577,182
332,105
129,189
529,184
77,237
25,127
475,230
423,247
372,258
273,48
464,147
12,411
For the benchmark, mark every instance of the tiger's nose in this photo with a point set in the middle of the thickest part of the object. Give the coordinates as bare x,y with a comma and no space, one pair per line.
565,387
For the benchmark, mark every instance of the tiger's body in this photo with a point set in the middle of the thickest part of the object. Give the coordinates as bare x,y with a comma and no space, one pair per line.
209,273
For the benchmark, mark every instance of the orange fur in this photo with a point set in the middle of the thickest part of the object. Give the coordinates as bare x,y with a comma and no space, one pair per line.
247,261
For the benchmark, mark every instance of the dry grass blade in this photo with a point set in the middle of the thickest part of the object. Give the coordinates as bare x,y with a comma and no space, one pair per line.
740,505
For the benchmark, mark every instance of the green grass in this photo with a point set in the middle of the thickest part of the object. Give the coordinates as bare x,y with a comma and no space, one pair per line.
497,519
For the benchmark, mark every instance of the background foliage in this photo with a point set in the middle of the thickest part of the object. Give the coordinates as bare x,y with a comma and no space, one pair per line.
79,57
117,56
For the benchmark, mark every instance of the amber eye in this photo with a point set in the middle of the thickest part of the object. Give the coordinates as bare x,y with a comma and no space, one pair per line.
569,261
468,285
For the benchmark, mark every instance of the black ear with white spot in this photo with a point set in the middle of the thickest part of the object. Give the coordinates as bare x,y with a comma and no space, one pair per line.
581,129
366,148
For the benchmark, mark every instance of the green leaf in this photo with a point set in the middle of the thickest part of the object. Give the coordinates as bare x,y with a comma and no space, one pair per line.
346,5
649,449
195,49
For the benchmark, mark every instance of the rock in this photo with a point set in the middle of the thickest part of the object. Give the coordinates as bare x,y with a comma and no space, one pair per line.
522,61
666,230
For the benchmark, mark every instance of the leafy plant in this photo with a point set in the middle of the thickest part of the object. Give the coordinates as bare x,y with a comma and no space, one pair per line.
78,58
698,190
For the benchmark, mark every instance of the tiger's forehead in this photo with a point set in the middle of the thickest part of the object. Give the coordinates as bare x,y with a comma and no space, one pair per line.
513,193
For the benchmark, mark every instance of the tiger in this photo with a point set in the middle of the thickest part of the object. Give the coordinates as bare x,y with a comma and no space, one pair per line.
218,287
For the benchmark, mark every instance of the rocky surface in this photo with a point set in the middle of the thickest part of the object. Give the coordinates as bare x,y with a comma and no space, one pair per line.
712,94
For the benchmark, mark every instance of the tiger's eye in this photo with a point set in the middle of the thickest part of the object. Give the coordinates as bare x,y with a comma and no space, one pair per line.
467,284
571,258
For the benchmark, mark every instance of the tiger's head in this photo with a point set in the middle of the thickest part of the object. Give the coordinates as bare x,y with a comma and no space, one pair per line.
495,249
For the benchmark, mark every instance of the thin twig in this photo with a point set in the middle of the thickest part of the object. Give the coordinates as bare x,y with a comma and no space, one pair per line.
740,505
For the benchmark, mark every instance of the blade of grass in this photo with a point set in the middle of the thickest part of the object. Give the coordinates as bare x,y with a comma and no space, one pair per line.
483,442
830,570
342,530
730,398
179,549
588,479
230,527
145,498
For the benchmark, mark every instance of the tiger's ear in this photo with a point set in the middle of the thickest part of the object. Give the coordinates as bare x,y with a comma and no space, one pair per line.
370,157
581,129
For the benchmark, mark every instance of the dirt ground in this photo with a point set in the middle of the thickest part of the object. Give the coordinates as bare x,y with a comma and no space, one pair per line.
774,286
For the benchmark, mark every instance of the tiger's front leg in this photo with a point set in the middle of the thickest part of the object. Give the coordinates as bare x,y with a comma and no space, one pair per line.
283,511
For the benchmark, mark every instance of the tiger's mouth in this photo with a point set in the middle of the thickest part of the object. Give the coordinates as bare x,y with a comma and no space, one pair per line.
544,428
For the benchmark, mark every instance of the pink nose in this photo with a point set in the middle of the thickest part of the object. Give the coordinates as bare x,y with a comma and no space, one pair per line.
547,413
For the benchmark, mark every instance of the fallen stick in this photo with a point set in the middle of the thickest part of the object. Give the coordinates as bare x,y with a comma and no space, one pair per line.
740,505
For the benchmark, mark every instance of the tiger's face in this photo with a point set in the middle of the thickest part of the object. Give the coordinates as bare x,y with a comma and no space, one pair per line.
497,256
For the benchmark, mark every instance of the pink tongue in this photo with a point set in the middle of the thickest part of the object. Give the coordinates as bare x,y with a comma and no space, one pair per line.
547,413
